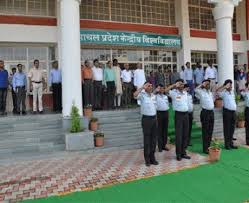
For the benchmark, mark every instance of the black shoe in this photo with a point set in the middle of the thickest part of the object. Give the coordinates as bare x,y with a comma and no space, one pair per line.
234,138
234,147
40,112
190,145
160,150
186,156
34,112
147,164
166,149
228,148
154,162
178,158
24,113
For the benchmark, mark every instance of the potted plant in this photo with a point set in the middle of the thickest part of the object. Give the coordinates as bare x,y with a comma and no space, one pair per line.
240,120
94,124
99,139
237,99
214,151
88,111
78,138
218,102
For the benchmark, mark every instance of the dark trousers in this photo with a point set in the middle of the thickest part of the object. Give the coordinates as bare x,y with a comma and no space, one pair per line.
14,99
207,122
97,94
162,121
149,125
190,123
3,96
21,99
88,92
181,131
228,126
247,124
57,96
110,94
127,86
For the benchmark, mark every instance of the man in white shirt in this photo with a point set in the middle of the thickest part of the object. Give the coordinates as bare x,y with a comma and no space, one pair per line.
189,78
97,84
190,113
139,76
211,74
126,77
182,73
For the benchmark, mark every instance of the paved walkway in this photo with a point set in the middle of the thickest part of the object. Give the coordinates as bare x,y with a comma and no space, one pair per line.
76,172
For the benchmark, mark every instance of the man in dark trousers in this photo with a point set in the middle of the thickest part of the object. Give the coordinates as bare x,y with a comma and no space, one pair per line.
229,113
245,94
3,88
55,84
180,105
162,105
97,84
20,88
207,113
149,123
14,97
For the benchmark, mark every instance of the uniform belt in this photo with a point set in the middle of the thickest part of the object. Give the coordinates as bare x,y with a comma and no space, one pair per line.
225,109
207,110
20,86
127,82
36,82
181,112
162,111
87,79
56,83
211,78
144,116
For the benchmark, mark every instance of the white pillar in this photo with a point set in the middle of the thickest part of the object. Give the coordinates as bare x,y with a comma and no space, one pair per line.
182,21
223,15
70,55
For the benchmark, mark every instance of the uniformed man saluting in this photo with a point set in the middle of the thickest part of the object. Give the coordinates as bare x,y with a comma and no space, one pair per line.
149,123
207,113
229,113
180,105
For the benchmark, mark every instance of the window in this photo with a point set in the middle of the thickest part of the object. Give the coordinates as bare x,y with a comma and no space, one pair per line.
201,16
158,12
28,7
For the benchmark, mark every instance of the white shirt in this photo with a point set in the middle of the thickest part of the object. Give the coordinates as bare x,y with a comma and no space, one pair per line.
148,103
182,75
188,74
139,78
211,73
126,76
206,98
228,100
97,73
179,100
190,103
162,102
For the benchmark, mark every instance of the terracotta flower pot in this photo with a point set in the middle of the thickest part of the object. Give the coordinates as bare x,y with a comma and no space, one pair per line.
88,112
99,141
94,126
218,103
214,154
241,124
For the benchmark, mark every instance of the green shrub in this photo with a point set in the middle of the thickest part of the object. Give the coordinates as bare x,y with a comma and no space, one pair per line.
75,123
240,116
215,144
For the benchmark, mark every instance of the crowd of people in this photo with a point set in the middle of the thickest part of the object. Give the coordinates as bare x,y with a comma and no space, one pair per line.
155,116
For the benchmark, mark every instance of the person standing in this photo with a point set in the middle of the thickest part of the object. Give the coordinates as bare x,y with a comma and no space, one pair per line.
119,90
180,105
109,82
87,76
182,72
190,113
174,76
3,88
245,95
13,93
241,79
160,79
36,80
55,80
167,76
151,79
19,84
149,123
211,74
207,113
97,84
189,77
126,77
139,76
229,113
198,74
162,105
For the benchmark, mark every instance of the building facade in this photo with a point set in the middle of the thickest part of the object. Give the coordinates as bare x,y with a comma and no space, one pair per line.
156,33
